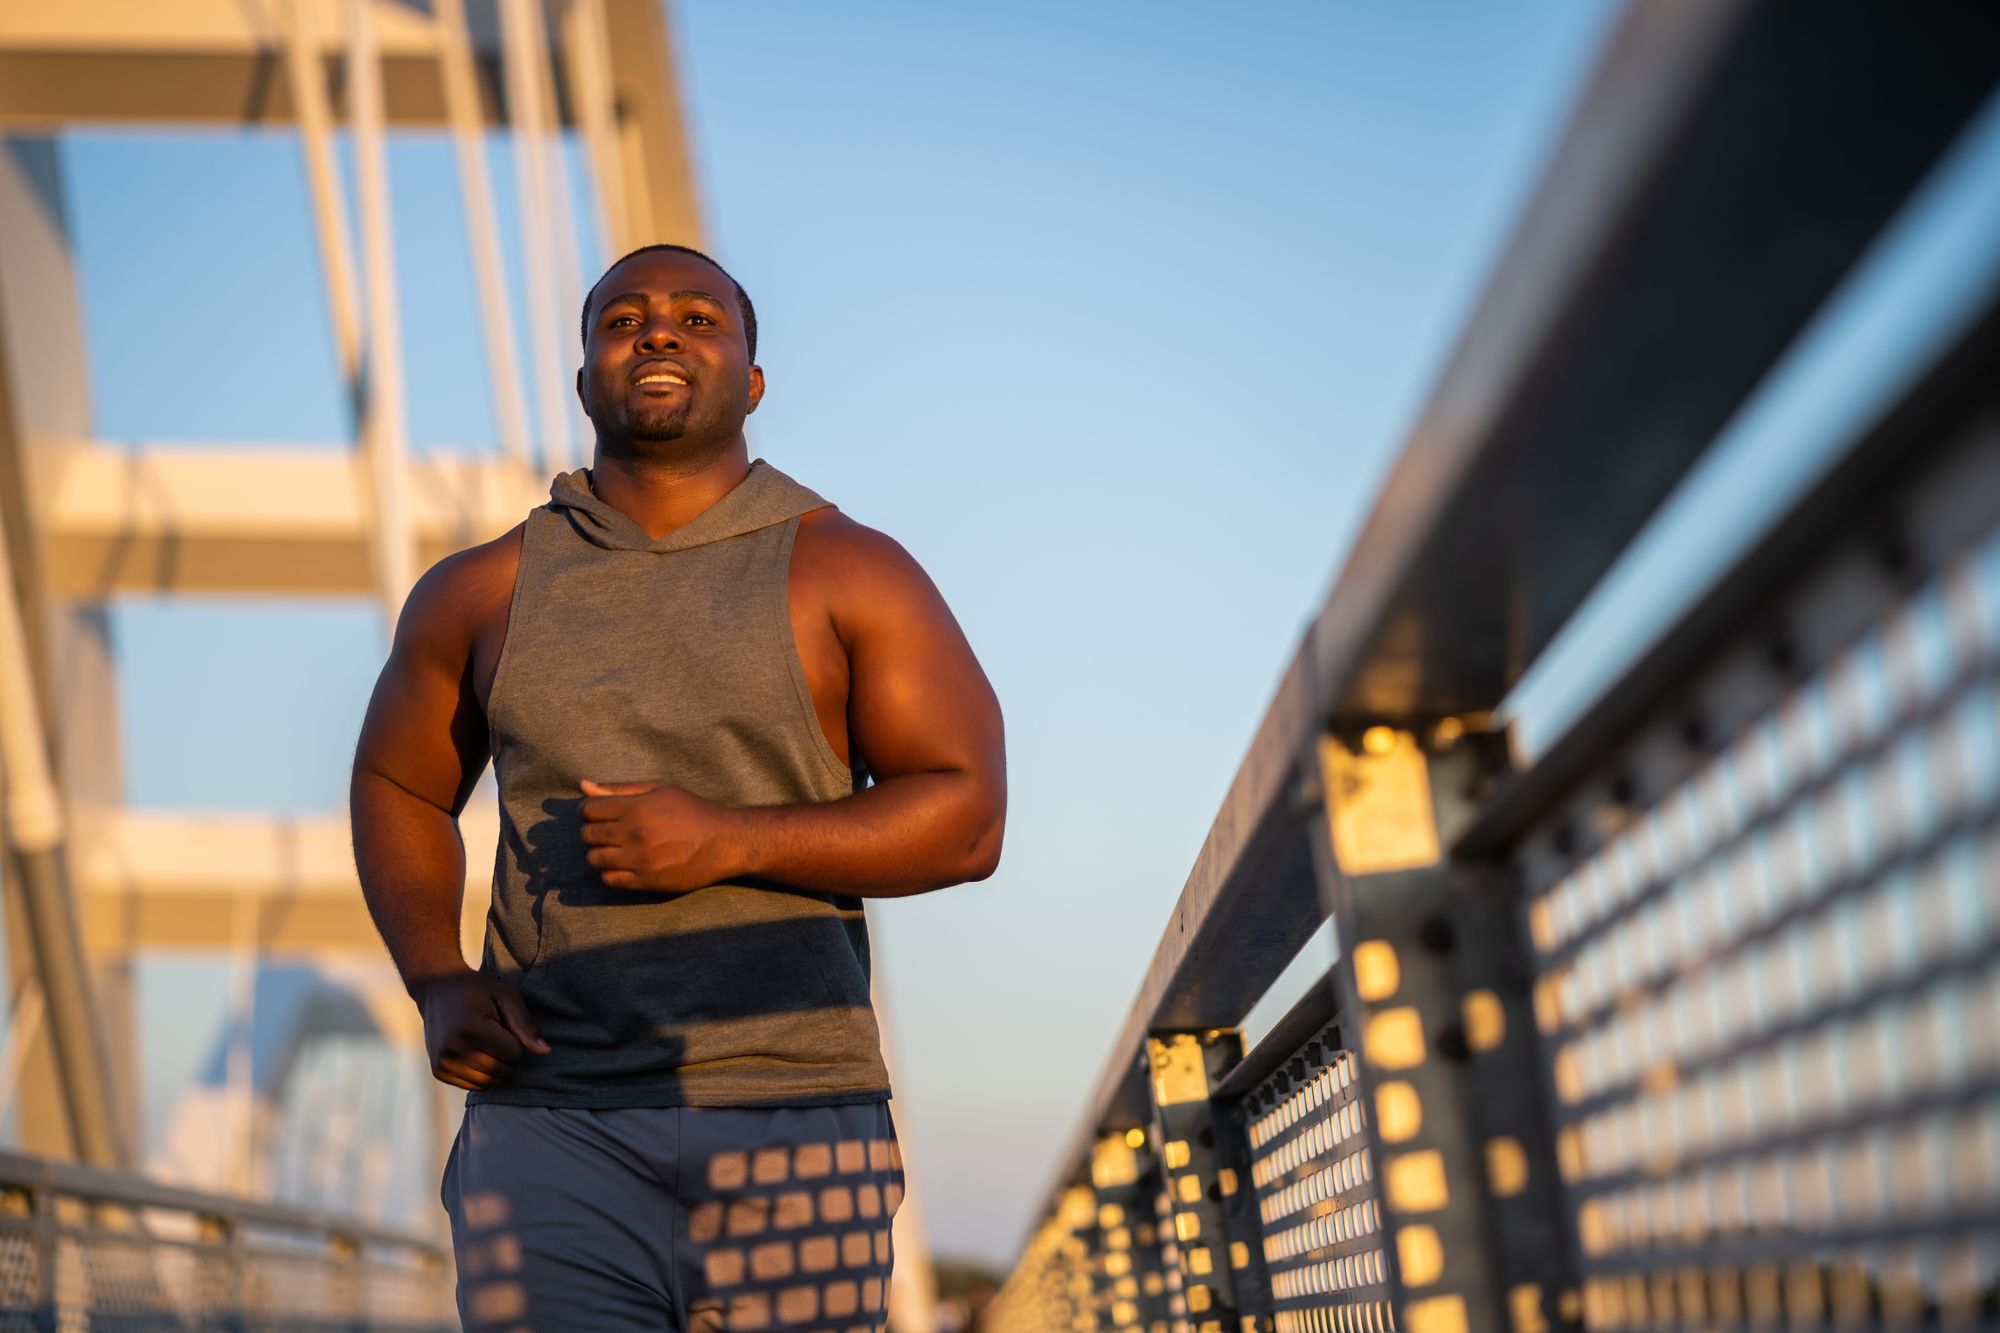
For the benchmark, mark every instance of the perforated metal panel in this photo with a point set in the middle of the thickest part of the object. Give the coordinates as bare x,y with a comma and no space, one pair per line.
1052,1288
1315,1180
404,1289
120,1283
282,1287
1770,998
20,1267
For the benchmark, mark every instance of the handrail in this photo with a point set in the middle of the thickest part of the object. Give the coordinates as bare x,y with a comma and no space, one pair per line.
96,1185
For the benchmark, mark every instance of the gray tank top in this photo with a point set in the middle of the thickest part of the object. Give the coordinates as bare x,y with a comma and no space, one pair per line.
629,659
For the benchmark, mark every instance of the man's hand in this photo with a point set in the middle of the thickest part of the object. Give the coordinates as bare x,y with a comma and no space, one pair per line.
475,1028
646,836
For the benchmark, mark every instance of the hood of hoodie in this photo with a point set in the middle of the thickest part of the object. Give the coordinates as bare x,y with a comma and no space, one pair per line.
763,498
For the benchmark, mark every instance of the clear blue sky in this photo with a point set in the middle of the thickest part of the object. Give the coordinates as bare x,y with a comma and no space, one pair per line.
1112,313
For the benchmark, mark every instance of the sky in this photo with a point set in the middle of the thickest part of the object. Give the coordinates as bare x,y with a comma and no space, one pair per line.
1113,314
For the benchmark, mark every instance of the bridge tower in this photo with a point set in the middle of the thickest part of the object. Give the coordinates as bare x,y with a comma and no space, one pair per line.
91,886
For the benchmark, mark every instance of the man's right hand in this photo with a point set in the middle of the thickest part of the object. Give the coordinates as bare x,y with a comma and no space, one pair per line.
475,1028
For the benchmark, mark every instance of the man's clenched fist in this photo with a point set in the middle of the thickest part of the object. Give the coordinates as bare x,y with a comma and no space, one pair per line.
645,836
475,1028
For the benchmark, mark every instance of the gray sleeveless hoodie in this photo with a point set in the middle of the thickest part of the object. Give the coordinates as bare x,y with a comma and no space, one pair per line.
629,659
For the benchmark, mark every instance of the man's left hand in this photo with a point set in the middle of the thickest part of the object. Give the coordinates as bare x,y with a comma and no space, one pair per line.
643,835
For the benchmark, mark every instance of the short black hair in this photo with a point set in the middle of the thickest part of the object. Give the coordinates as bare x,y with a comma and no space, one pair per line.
742,297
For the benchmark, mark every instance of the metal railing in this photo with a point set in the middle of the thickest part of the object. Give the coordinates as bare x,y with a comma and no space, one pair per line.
86,1249
1686,1013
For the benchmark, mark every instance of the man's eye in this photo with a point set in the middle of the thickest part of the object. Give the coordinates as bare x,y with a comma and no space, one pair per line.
698,315
623,319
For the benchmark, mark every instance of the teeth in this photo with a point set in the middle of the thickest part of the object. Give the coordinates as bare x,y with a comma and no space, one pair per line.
664,379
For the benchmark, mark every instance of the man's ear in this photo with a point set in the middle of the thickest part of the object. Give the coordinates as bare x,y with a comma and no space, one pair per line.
579,387
756,387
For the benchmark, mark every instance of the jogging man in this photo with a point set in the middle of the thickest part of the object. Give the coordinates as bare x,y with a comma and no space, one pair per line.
686,668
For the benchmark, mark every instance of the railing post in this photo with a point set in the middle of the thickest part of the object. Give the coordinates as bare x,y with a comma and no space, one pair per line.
35,1203
350,1302
1207,1166
222,1233
1134,1290
1435,977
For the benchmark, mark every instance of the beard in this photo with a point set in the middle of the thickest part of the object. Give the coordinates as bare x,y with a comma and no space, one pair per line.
657,421
628,426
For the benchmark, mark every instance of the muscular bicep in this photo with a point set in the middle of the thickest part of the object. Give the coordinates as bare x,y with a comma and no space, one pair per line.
917,698
424,731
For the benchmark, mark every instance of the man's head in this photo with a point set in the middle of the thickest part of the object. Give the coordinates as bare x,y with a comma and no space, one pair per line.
743,306
669,353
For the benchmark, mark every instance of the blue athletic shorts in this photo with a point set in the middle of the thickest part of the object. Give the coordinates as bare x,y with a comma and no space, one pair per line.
673,1218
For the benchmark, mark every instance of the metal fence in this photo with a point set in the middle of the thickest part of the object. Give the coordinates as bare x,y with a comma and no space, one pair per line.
1686,1014
85,1251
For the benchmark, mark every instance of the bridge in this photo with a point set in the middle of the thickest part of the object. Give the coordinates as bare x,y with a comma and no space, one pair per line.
1538,972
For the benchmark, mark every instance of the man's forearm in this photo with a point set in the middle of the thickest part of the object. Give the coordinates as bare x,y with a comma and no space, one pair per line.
412,866
907,834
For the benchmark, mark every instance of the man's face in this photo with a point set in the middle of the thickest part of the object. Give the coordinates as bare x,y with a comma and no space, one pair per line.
665,360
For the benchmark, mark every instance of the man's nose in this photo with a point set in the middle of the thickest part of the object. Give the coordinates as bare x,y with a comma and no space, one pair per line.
658,338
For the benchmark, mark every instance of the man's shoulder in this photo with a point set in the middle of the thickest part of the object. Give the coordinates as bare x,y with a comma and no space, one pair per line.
468,589
865,576
483,570
831,536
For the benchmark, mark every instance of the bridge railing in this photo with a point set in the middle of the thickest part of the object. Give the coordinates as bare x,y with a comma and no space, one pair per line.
1668,998
87,1249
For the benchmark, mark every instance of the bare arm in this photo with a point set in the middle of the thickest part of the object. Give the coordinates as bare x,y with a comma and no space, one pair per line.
919,709
422,748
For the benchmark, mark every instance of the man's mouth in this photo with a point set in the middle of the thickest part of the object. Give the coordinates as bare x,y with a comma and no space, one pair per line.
660,376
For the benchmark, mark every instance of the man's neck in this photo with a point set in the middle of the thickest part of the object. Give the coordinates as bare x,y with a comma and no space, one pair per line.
662,494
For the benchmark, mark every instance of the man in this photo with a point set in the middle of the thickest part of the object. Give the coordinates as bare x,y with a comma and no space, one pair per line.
686,668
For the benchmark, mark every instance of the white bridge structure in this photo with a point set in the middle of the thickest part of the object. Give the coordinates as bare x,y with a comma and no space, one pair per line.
91,886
